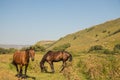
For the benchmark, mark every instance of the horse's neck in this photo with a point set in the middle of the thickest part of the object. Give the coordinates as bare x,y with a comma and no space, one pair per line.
27,55
42,61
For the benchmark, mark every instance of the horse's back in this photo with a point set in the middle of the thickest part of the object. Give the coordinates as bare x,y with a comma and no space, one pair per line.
54,56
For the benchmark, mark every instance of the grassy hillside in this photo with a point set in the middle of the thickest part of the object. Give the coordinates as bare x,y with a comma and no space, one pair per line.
106,34
46,43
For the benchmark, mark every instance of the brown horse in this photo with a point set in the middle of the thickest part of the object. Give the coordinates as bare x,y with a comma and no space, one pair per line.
22,58
52,56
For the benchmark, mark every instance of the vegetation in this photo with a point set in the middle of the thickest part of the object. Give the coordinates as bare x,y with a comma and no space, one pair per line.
5,51
117,31
100,49
96,47
39,48
100,67
62,47
45,44
106,35
101,62
83,67
117,48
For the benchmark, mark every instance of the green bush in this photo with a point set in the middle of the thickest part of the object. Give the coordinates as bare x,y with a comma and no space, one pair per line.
96,48
116,48
39,48
107,51
62,47
5,51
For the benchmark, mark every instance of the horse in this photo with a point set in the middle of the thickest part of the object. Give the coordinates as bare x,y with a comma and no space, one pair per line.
55,56
22,58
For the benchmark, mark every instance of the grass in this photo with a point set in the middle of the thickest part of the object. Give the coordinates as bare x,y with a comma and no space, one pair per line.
85,66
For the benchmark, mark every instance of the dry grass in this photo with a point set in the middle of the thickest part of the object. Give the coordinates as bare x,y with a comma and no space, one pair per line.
100,66
83,67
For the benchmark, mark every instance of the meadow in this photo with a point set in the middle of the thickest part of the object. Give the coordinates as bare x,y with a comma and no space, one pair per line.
85,66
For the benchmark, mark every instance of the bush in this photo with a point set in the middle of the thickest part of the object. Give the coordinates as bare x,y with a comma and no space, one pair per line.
95,48
117,31
62,47
104,31
116,48
107,51
5,51
39,48
74,37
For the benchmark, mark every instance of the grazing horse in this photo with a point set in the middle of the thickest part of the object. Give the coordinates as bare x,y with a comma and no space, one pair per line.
22,58
52,56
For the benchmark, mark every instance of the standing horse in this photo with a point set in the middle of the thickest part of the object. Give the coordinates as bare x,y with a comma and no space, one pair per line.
22,58
52,56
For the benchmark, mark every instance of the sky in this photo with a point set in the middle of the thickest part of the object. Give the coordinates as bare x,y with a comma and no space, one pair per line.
25,22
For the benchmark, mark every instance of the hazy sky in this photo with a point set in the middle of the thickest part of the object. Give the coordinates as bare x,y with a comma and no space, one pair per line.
29,21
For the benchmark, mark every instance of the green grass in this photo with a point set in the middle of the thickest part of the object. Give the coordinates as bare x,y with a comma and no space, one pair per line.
85,66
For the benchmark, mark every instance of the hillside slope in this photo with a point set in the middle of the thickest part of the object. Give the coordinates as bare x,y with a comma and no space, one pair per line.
106,34
45,43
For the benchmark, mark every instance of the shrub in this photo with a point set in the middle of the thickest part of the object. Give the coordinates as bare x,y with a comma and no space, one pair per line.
107,51
116,48
74,37
62,47
5,51
117,31
39,48
104,31
95,48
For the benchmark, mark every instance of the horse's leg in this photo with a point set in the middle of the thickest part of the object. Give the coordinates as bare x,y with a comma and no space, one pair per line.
17,70
63,66
26,69
21,70
52,66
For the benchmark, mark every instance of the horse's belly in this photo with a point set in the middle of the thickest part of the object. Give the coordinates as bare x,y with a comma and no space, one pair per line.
18,60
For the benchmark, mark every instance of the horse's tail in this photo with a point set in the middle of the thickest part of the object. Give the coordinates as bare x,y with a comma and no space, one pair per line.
70,58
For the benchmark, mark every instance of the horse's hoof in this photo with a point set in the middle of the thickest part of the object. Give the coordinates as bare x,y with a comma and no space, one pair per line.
53,72
24,76
18,75
61,72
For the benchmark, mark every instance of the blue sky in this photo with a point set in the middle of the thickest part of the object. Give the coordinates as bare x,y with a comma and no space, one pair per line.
29,21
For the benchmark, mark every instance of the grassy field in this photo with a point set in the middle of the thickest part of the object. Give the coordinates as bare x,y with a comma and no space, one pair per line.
85,66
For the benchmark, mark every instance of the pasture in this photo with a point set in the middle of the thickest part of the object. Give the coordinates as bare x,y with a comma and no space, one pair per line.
85,66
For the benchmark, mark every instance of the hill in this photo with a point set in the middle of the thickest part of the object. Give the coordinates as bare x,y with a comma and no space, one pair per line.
106,34
45,43
6,46
85,66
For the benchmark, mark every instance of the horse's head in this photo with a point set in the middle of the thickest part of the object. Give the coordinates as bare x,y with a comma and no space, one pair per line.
32,54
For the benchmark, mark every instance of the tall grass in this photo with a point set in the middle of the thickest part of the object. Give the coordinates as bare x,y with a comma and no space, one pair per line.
100,67
83,67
